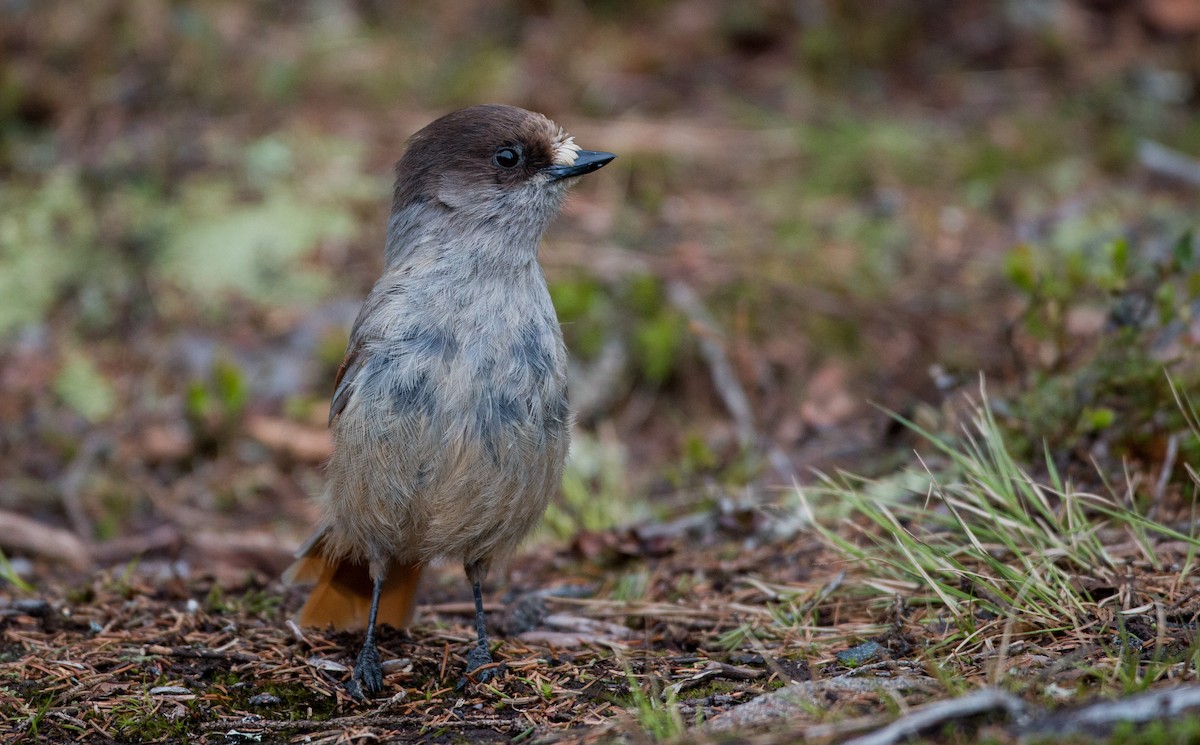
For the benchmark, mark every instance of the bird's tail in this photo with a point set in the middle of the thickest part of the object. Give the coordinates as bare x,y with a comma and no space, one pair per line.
341,594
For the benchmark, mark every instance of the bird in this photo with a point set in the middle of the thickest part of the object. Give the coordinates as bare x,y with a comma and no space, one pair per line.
449,415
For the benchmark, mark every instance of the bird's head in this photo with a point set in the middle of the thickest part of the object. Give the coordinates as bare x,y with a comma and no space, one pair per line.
492,164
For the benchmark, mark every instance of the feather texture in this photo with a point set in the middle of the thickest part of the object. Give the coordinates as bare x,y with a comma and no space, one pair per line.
341,594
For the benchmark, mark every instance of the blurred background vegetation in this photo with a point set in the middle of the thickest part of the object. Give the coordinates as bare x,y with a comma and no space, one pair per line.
834,202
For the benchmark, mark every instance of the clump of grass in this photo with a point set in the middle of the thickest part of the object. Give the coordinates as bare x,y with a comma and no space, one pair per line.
657,714
9,574
992,546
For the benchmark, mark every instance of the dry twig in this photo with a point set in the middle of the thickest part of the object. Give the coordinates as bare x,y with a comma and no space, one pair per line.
20,534
723,376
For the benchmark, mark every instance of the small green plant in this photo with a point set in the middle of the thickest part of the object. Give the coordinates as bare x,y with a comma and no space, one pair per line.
631,587
658,329
47,242
657,713
81,385
33,723
1104,316
737,637
595,496
634,308
215,404
9,575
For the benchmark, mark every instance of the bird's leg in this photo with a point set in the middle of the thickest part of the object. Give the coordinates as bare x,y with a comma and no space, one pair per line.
481,654
368,673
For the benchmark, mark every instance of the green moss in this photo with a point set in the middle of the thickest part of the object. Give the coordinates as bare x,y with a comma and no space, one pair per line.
133,725
295,700
585,313
254,602
595,495
712,689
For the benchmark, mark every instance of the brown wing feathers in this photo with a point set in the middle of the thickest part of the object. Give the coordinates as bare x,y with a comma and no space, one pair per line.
344,383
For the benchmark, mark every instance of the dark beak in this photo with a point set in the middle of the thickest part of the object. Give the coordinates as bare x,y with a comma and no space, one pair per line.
586,161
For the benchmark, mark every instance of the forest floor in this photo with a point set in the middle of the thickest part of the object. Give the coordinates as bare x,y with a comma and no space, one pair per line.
884,336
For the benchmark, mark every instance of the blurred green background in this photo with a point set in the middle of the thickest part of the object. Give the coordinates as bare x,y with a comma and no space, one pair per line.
850,202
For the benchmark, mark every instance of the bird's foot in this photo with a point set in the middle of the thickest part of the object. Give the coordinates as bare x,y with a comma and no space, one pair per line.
479,667
368,673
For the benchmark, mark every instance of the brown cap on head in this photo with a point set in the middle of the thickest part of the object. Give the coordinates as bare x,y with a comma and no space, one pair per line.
491,146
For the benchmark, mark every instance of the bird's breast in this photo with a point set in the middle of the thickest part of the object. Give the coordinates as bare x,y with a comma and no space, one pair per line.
491,367
454,437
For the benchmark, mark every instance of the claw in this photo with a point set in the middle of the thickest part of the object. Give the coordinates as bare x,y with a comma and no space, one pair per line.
368,673
477,658
477,670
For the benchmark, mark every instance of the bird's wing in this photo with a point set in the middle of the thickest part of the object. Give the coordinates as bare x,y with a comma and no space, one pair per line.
358,352
343,385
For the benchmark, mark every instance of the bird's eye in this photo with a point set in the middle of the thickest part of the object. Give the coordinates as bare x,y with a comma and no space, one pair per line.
507,157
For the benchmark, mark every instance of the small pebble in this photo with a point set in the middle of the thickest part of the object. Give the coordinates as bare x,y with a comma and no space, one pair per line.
168,691
265,699
329,665
35,607
860,655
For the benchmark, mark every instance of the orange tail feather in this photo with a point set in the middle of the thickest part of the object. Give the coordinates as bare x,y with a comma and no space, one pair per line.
341,595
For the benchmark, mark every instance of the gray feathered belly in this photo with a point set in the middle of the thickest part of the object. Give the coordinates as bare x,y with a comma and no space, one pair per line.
451,444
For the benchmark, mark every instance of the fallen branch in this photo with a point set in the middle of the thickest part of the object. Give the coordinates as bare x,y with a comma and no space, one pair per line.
1100,718
259,549
249,727
163,538
20,534
594,387
798,698
936,715
71,486
1028,723
1168,163
201,653
713,669
713,350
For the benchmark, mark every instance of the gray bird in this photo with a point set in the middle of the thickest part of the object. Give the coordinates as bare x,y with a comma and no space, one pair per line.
449,414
